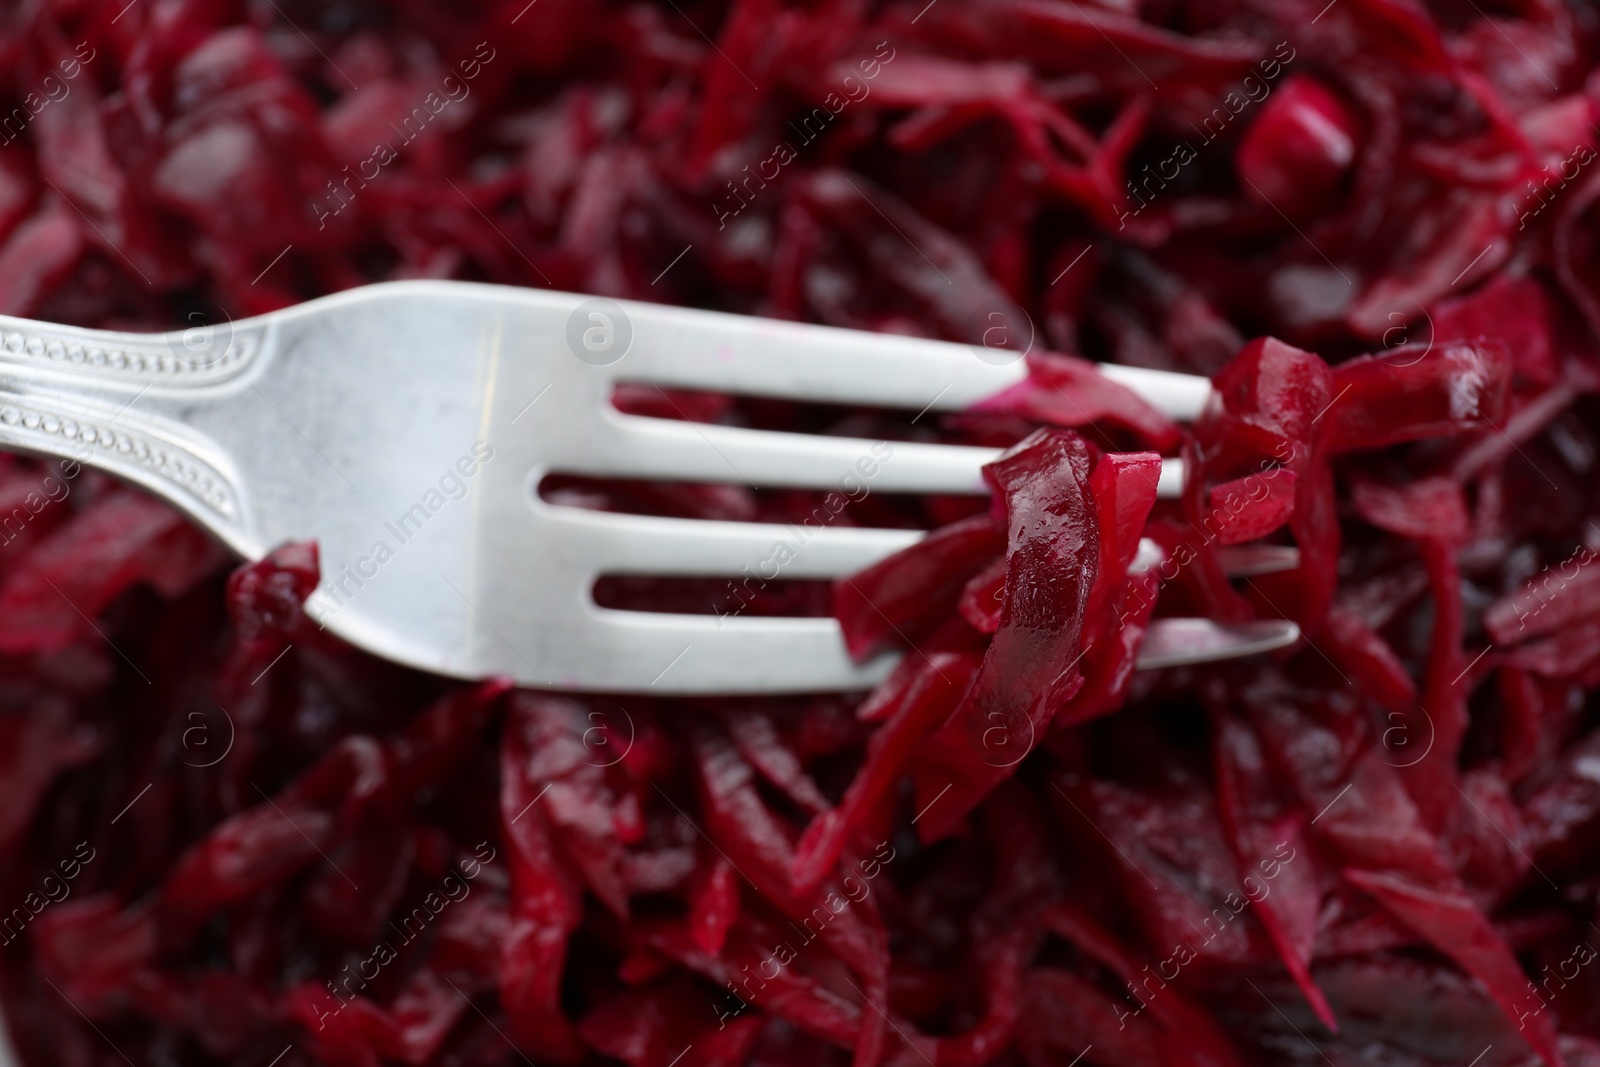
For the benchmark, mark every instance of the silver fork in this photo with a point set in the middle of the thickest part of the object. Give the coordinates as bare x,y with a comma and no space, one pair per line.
406,427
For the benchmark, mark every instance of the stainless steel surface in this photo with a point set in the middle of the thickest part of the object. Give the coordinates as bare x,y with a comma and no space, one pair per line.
1183,642
406,427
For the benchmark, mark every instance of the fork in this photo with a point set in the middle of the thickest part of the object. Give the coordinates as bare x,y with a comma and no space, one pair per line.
406,427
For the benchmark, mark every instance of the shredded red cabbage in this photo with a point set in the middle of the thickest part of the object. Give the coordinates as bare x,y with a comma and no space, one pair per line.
226,837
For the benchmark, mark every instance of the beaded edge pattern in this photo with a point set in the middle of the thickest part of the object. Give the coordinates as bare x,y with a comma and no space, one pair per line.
126,359
196,477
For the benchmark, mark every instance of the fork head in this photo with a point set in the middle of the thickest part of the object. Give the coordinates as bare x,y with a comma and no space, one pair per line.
407,426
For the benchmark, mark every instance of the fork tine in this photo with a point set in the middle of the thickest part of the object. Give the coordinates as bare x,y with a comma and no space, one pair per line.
767,357
638,447
1248,561
642,544
706,654
1184,642
698,654
763,458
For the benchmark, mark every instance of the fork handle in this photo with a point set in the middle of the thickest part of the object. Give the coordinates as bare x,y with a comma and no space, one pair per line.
68,392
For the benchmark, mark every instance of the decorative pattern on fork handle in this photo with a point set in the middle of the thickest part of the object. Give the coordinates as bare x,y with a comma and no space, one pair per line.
154,360
31,424
150,449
